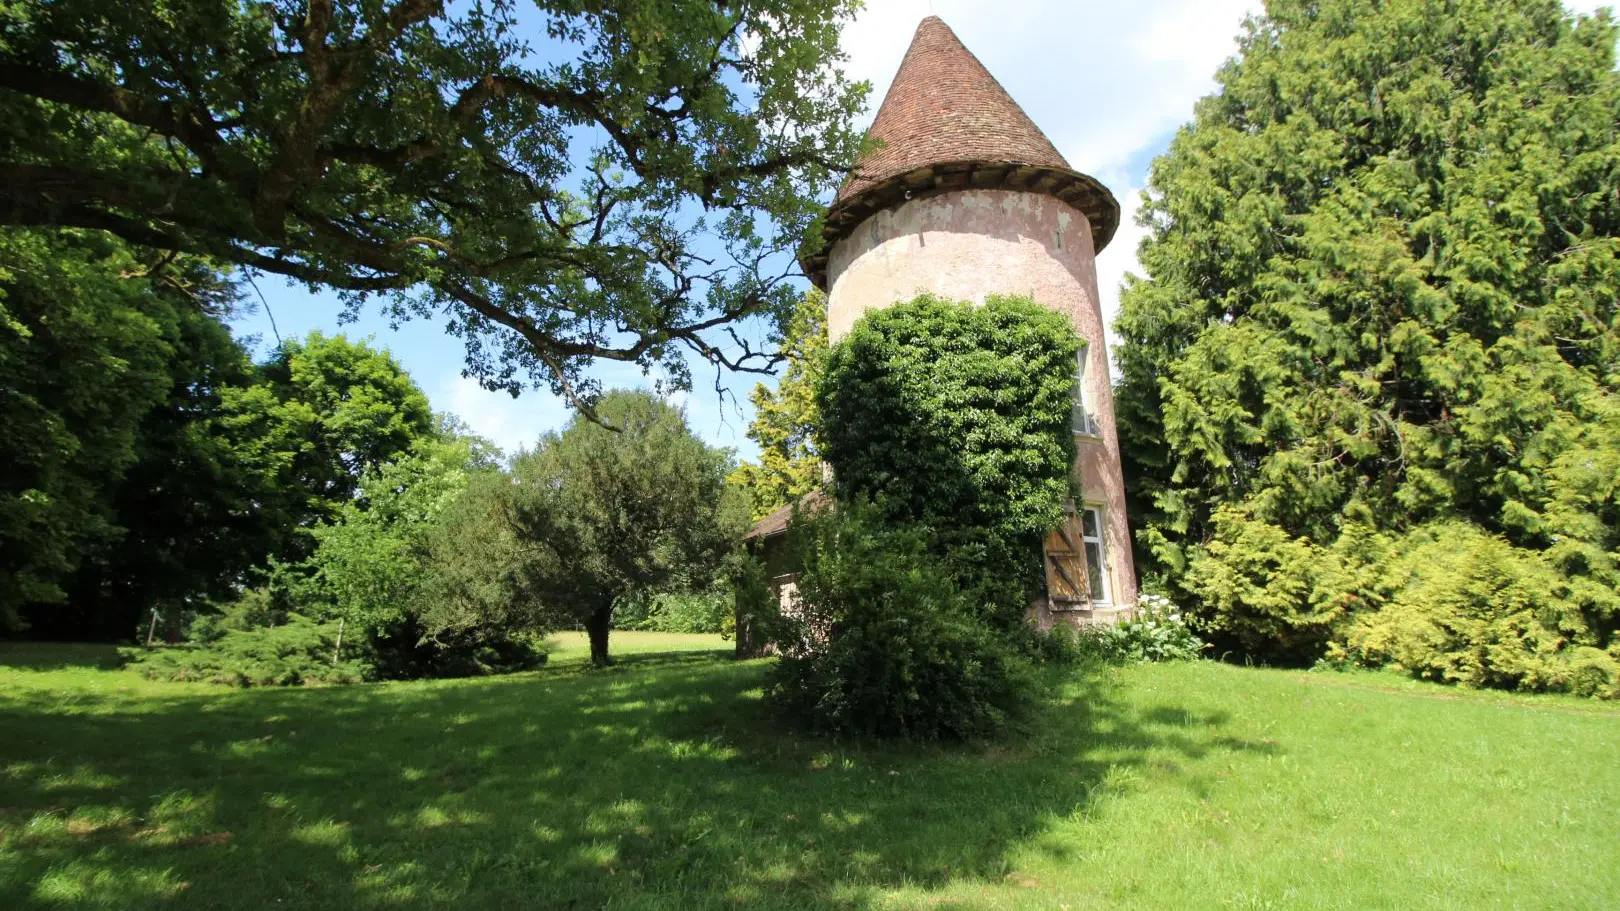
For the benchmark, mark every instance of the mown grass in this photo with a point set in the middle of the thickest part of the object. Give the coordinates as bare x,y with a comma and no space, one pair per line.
664,783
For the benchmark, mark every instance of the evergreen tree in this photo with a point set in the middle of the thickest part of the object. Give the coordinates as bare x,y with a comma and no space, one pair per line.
599,515
1383,268
785,417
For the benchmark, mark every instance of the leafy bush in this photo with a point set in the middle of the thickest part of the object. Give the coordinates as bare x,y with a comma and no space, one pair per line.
885,644
420,563
1467,607
679,612
298,652
1060,645
1155,631
957,418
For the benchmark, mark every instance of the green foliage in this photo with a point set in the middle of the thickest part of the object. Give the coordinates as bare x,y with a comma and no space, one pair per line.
323,411
710,611
1461,606
526,172
193,511
957,418
151,465
785,418
82,358
757,619
251,609
597,515
884,644
412,564
374,559
1383,264
298,652
1155,631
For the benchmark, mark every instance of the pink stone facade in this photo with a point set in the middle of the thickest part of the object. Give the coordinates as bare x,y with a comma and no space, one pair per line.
967,245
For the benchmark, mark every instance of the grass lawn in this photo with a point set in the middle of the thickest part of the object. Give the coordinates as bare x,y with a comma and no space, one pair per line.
663,783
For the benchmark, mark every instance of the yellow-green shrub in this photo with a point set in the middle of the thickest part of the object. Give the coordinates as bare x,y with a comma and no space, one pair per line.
1468,607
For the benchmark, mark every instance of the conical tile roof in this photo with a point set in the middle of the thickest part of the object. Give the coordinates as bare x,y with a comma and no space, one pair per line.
945,106
947,124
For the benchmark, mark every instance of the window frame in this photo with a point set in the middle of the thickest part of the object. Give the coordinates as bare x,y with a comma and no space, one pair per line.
1095,510
1082,420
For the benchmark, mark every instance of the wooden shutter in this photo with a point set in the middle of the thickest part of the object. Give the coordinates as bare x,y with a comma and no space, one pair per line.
1066,564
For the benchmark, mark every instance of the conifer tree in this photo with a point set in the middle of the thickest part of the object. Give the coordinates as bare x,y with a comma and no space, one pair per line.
785,417
1380,312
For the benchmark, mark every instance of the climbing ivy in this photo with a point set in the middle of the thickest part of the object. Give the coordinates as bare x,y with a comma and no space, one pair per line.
957,418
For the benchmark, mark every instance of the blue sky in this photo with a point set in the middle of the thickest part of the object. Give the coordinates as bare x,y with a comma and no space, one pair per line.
1108,82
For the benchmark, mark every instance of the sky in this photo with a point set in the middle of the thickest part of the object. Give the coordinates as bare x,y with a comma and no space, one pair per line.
1108,82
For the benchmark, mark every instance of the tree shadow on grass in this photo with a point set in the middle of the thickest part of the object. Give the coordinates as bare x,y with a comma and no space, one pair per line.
52,656
661,783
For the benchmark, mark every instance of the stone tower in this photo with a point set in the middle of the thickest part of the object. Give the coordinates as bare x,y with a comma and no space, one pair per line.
967,198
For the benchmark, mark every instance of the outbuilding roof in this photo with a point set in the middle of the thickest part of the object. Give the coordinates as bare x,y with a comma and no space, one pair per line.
777,522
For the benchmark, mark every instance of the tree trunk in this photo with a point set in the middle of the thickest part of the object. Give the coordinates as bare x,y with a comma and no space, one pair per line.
596,626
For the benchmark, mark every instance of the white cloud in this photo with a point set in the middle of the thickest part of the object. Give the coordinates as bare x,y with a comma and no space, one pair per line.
510,423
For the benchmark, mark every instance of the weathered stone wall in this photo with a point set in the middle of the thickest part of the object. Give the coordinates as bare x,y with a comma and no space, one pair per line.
969,244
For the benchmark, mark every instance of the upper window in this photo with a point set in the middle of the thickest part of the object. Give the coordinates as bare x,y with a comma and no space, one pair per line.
1084,421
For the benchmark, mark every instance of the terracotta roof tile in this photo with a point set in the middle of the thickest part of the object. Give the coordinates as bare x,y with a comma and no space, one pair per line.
944,106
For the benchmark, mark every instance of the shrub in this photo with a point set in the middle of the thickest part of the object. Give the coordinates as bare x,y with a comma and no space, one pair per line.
1467,607
1155,631
757,623
1060,645
298,652
420,566
403,650
253,608
885,644
685,612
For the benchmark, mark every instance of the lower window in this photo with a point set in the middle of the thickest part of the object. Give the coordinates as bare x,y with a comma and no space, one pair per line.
1091,531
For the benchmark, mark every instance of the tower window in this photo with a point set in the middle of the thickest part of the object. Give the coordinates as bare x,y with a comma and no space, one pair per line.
1091,532
1084,421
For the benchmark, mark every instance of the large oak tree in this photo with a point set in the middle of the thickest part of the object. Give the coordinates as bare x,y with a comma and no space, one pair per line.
559,181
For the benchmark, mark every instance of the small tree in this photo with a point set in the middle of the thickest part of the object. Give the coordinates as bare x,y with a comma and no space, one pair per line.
599,513
785,418
397,562
373,559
